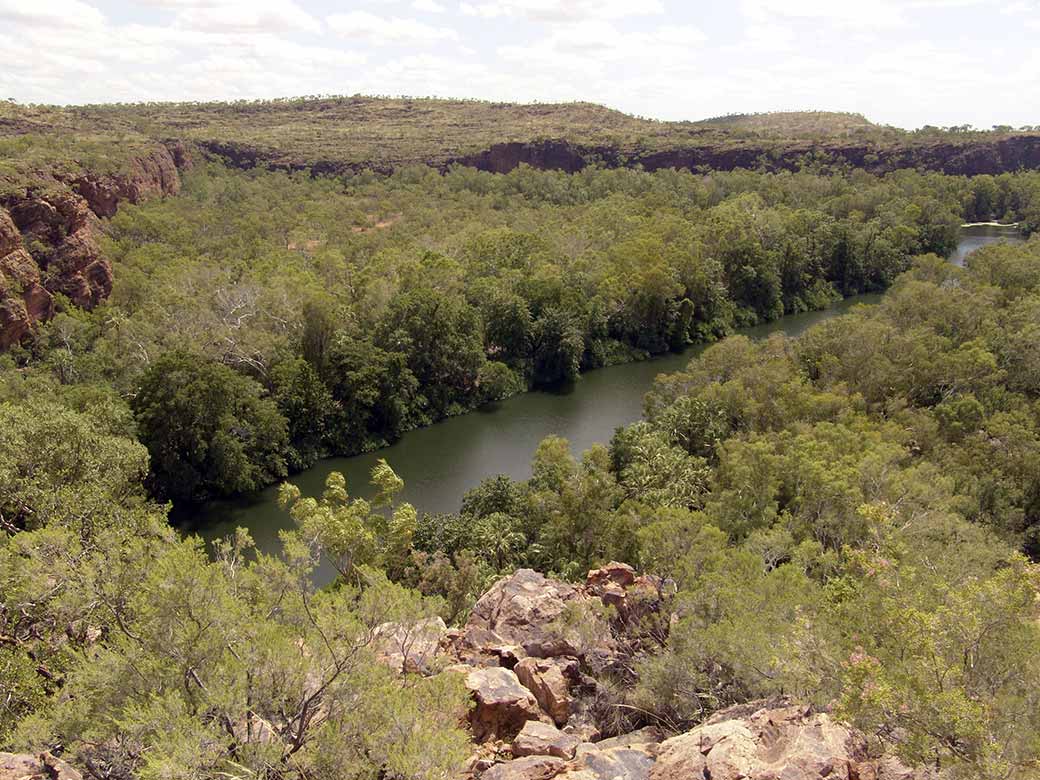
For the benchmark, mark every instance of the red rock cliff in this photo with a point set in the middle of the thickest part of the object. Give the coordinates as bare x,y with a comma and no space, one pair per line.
49,238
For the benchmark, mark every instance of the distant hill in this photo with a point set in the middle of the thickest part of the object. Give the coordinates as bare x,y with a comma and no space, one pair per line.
336,135
795,124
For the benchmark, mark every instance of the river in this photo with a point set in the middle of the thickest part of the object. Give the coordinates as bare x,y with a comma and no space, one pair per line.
440,463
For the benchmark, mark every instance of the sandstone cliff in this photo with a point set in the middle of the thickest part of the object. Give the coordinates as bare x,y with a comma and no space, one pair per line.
49,236
968,157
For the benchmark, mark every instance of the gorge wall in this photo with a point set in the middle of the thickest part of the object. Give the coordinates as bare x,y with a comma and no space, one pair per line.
968,158
49,236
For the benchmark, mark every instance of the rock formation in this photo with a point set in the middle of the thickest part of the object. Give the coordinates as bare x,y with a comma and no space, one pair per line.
49,237
534,684
20,766
23,299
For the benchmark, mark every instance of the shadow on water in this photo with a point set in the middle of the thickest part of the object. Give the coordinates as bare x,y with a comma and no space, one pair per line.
440,463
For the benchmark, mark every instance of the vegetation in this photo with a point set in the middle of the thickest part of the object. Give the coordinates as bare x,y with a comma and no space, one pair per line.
846,517
849,518
340,134
302,317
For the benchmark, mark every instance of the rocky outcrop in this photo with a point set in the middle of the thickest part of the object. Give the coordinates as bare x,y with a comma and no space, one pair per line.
49,237
541,739
534,687
764,741
966,158
550,680
63,233
626,762
502,704
152,175
524,611
23,299
20,766
780,741
530,768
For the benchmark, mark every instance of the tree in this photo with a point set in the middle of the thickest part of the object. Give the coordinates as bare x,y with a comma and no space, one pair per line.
441,337
62,467
374,391
209,431
251,672
349,531
557,347
307,406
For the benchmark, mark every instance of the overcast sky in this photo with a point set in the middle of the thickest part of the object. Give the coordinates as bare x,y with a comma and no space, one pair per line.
901,62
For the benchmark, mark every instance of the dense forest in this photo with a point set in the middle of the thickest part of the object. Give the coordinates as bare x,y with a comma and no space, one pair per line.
846,518
849,519
261,320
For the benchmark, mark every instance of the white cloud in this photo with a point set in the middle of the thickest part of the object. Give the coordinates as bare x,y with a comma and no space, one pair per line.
899,61
53,13
380,31
562,10
858,15
245,16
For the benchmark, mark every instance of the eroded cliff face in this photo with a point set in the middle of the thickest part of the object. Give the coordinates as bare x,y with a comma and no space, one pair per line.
49,237
969,158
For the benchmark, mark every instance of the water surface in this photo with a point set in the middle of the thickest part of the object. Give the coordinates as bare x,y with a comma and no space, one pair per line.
975,236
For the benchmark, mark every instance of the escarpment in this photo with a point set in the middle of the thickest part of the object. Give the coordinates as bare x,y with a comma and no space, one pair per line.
49,236
968,157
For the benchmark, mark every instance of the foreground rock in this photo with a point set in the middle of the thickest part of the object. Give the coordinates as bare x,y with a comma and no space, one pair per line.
527,667
19,766
530,768
541,739
758,741
503,705
616,763
788,742
524,611
550,680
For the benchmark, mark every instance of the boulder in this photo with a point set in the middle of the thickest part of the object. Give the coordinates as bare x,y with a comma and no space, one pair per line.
541,739
20,766
789,742
616,763
410,648
620,574
550,680
646,738
529,768
503,705
522,610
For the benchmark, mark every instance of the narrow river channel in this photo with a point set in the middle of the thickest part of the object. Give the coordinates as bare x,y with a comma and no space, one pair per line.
440,463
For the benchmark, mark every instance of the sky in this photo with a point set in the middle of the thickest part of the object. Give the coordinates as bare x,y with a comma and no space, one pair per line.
902,62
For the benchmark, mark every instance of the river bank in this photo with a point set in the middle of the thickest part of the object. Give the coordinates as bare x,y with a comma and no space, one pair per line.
441,462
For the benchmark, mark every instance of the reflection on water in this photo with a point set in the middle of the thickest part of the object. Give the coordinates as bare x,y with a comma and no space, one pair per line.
976,236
